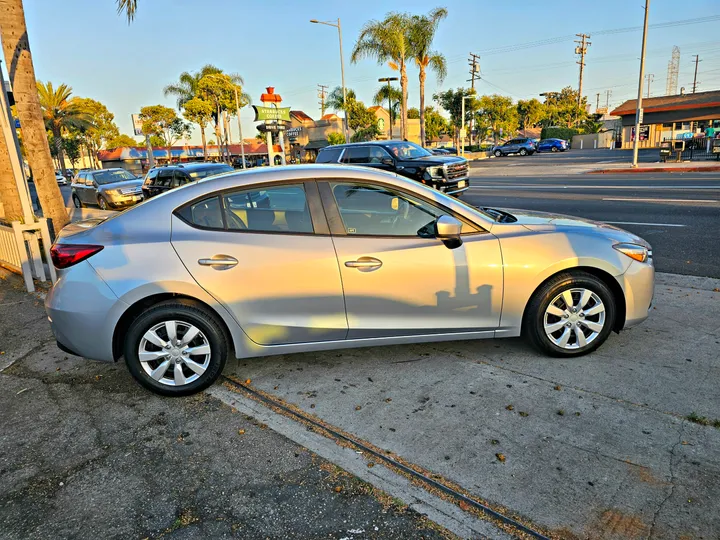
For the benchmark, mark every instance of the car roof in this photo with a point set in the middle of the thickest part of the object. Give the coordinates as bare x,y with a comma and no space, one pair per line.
192,165
368,143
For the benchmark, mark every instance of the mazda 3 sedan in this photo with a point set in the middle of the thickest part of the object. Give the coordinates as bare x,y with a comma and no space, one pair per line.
334,257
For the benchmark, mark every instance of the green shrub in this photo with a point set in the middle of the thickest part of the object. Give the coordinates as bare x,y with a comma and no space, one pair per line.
558,133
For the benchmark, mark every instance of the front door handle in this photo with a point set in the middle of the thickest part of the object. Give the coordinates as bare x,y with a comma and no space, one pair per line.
219,262
364,263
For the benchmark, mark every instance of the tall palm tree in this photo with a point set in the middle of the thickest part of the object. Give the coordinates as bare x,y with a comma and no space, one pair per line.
335,100
389,93
61,113
387,41
421,34
18,58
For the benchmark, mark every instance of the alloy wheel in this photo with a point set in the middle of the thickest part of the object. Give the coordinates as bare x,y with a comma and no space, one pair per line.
574,318
174,353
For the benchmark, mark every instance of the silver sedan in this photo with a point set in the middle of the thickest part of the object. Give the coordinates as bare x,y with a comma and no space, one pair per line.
307,258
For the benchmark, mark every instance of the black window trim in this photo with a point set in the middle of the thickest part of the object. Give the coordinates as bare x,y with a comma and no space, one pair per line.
337,226
317,216
358,146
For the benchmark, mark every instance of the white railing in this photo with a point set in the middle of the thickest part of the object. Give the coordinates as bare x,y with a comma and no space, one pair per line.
20,250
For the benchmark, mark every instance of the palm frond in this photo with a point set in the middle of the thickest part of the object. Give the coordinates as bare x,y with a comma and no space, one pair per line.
438,64
128,7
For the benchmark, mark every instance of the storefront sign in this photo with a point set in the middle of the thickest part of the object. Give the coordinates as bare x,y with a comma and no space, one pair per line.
271,113
137,124
294,132
644,133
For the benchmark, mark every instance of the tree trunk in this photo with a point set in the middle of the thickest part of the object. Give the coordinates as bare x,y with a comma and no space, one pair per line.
9,196
57,136
22,79
423,75
403,102
204,141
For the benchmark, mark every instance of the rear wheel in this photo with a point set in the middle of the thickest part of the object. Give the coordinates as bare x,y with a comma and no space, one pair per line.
176,348
498,153
102,203
554,149
523,152
570,315
76,201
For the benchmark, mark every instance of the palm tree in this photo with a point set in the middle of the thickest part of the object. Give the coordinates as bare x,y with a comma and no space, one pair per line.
335,100
387,41
18,58
61,113
394,95
128,7
421,34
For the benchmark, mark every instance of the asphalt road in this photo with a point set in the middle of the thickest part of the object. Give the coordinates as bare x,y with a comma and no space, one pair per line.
679,214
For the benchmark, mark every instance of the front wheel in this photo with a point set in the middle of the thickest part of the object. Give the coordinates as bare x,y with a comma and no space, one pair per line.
498,153
570,315
76,201
176,348
102,203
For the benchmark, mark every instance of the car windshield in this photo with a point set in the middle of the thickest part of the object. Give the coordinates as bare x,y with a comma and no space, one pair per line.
407,150
110,177
210,171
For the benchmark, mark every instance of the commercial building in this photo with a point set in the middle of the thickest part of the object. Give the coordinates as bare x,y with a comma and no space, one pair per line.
694,117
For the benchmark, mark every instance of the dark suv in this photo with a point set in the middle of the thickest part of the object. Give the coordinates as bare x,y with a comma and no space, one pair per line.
448,174
161,179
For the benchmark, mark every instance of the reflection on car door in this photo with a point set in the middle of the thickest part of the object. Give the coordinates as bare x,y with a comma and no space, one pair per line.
397,278
88,191
273,266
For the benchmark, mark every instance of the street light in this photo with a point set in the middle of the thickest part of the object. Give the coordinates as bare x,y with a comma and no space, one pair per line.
342,72
388,80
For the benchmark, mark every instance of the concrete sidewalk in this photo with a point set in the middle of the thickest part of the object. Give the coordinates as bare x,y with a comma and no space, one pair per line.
670,167
86,453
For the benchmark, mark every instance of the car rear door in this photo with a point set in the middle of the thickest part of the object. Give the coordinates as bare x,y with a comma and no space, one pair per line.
273,266
400,280
88,191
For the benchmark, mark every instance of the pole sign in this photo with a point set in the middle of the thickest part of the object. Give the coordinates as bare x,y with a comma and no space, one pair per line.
137,124
271,113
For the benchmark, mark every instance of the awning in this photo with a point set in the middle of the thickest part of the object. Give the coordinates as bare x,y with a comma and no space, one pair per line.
316,145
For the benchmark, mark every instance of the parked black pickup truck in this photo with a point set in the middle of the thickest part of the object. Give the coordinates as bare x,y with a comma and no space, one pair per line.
448,174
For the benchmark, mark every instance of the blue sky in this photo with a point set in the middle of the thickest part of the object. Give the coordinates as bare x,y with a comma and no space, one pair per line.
89,47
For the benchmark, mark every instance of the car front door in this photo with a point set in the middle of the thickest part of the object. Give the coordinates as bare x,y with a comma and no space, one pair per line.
273,266
401,280
512,146
88,192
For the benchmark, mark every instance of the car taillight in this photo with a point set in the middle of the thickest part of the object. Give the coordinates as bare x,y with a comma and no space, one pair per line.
67,255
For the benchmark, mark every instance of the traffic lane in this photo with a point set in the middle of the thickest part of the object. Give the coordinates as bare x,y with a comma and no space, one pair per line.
66,192
682,234
609,181
570,157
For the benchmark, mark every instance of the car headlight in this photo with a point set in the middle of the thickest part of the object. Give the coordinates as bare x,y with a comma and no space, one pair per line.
635,251
435,172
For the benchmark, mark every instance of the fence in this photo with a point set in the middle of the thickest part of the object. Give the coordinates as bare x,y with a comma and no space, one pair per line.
697,149
20,250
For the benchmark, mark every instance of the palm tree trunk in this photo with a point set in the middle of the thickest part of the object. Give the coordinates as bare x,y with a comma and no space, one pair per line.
204,141
403,104
423,75
57,137
9,196
21,73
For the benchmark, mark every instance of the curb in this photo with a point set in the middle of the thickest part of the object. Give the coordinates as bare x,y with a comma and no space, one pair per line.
711,168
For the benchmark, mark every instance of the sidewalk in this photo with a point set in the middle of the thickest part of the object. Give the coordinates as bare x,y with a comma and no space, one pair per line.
86,453
670,167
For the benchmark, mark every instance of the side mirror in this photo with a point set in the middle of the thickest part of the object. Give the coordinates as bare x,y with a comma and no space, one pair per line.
448,229
388,161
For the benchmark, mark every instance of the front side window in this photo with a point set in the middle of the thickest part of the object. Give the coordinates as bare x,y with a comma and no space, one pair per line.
379,211
407,150
272,209
110,177
151,175
164,178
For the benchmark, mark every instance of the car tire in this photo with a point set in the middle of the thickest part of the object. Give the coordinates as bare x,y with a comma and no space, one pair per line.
199,370
554,149
498,153
547,316
523,152
76,201
102,203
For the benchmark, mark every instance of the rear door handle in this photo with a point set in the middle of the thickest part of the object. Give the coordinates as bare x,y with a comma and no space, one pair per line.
219,262
364,263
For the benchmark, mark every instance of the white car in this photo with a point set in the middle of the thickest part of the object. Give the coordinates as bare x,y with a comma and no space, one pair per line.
61,180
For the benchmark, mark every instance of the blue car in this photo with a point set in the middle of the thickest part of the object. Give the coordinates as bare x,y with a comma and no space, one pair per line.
552,145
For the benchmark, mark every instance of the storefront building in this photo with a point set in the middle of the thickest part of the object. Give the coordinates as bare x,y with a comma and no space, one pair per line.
693,117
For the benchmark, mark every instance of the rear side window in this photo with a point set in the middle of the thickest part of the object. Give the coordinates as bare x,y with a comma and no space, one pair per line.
206,213
357,154
210,171
164,179
275,209
329,155
180,179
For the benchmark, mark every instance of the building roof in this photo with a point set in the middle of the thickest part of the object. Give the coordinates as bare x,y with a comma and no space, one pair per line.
376,107
182,152
300,115
700,100
330,116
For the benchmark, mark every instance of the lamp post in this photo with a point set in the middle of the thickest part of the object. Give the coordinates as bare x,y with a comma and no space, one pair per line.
639,110
342,72
388,80
242,141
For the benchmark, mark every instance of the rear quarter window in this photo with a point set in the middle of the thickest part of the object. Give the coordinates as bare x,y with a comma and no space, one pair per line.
329,155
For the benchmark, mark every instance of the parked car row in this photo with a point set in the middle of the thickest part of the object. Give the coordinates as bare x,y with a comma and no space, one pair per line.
527,147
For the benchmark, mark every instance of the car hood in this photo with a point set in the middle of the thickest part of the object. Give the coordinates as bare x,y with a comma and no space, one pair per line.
125,184
436,159
544,221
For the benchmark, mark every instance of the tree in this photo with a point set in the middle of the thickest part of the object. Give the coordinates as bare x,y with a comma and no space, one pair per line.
562,108
156,141
60,114
163,122
530,112
413,113
219,90
451,101
420,35
128,7
500,114
435,124
102,129
200,112
335,138
381,98
121,141
9,196
21,72
335,99
387,41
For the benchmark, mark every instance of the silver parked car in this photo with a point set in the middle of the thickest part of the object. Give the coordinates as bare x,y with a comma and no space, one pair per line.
107,188
304,258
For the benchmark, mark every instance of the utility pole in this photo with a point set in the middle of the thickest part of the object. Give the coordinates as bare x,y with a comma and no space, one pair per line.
608,93
639,111
695,83
474,63
650,79
581,49
322,94
597,103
